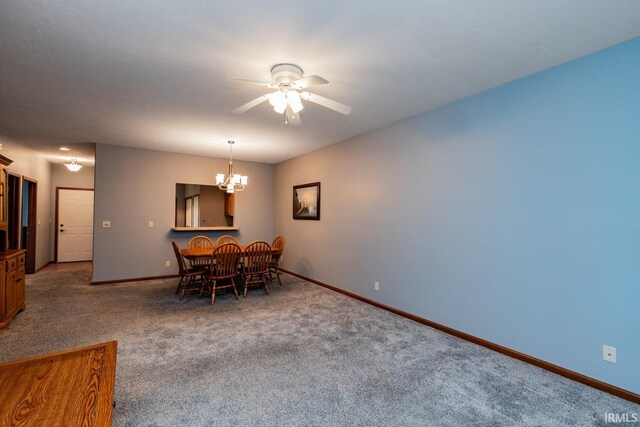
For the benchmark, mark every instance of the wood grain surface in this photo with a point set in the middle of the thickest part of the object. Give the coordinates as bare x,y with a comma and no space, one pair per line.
68,388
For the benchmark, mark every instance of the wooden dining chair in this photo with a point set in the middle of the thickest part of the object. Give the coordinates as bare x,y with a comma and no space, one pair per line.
277,247
224,262
226,238
189,277
255,265
200,244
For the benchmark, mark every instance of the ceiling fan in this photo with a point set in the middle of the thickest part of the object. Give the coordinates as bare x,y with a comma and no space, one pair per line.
289,92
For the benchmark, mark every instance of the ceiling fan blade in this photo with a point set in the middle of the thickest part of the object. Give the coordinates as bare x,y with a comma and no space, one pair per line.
293,119
270,85
309,81
249,105
326,102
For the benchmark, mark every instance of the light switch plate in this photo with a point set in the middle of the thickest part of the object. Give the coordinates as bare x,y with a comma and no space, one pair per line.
150,224
106,224
609,354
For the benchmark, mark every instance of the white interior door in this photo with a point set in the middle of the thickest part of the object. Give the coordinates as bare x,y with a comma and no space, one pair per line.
75,225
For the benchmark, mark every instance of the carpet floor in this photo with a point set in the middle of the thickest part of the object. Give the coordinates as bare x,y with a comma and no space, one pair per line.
302,356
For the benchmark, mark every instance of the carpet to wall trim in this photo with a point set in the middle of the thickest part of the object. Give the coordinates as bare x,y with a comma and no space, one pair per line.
134,279
44,266
572,375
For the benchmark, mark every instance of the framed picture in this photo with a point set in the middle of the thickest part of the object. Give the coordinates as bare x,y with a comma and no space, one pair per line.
306,201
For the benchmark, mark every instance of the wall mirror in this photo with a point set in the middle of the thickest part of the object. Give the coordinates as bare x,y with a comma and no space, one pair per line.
203,206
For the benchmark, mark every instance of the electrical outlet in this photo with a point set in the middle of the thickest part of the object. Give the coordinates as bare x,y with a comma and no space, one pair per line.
150,224
376,286
106,224
609,354
167,263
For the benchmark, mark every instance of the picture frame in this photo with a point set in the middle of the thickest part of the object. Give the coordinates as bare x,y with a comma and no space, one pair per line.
306,201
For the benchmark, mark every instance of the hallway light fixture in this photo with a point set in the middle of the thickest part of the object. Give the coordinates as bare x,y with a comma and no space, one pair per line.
232,182
74,166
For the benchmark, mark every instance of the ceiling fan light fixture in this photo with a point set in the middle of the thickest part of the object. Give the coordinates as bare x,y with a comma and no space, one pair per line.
295,103
280,108
276,98
278,101
288,81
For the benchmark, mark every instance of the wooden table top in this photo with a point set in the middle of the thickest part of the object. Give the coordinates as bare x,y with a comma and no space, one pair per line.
67,388
191,253
199,253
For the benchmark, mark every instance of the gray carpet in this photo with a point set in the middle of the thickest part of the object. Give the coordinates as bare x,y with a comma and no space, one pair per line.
302,356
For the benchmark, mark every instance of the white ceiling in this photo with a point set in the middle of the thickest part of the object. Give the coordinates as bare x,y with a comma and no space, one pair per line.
149,73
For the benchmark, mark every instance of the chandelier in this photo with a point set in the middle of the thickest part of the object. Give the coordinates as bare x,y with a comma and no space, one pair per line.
232,182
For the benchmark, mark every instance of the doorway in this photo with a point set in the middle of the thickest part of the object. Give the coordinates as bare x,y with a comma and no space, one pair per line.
14,210
74,224
29,223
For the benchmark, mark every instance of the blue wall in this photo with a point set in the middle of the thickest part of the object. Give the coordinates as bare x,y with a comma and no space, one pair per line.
512,215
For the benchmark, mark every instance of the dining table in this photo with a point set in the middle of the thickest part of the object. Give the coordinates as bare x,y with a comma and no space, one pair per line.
193,254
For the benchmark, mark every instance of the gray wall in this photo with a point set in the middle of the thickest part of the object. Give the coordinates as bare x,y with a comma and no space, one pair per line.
211,206
134,186
28,163
511,215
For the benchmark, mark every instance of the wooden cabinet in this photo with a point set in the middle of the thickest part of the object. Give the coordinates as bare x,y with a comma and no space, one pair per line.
12,292
20,287
4,220
229,204
12,298
3,298
4,205
12,288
